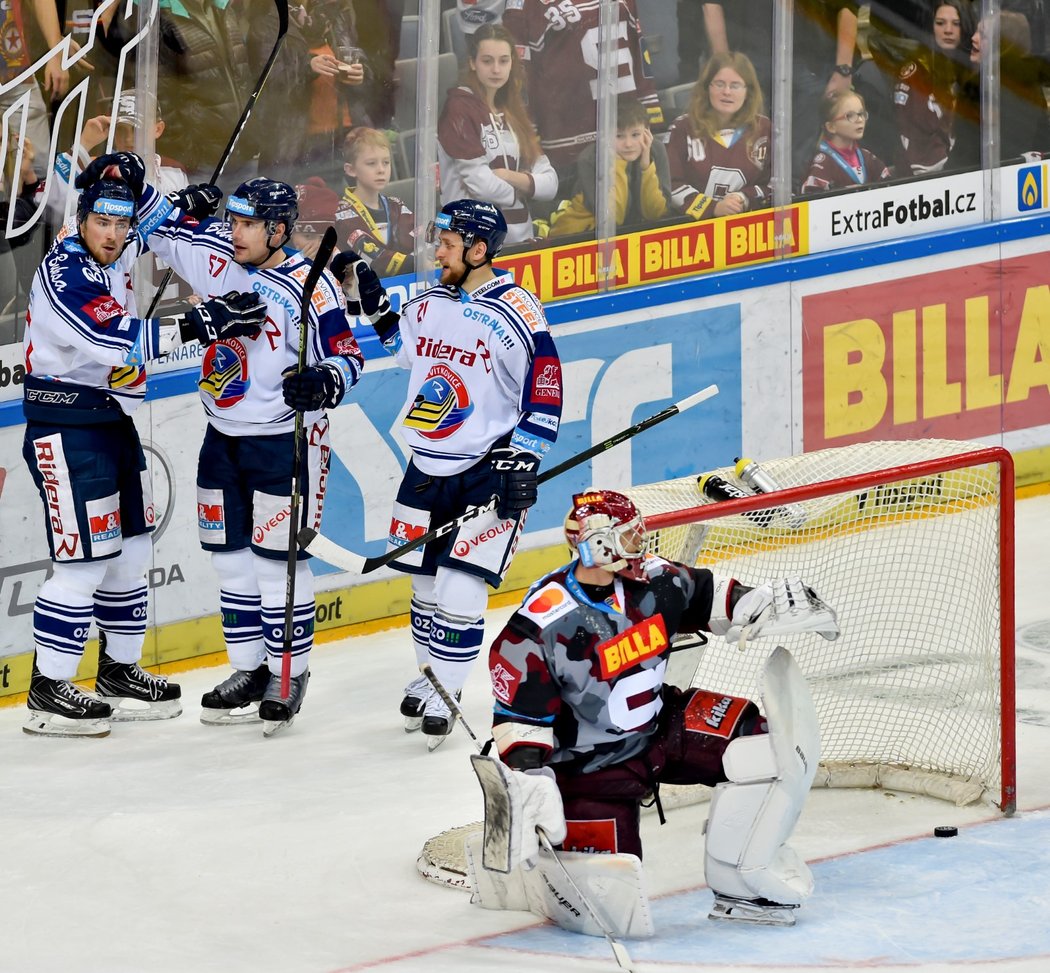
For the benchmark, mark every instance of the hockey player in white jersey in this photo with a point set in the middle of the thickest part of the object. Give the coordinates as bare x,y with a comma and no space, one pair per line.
86,353
251,392
484,403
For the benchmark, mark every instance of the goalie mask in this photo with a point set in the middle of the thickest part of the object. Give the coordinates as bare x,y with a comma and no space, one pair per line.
606,531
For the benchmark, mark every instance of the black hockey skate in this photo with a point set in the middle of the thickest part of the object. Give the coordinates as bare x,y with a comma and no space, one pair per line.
416,694
134,693
236,699
57,708
437,720
277,713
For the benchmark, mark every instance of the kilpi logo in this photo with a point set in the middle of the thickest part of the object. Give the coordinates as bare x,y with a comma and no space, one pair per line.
1031,188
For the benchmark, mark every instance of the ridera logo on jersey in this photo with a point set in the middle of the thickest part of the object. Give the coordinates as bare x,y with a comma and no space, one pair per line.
224,373
441,406
633,647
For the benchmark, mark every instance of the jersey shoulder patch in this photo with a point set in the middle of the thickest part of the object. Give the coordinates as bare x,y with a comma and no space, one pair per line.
547,604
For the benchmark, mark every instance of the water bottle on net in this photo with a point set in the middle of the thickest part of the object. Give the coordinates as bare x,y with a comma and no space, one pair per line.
761,481
717,488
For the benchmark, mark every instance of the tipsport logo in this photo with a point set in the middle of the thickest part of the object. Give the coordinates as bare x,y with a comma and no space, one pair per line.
1032,188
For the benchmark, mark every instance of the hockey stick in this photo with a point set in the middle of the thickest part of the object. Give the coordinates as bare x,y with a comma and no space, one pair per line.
341,557
282,30
623,958
320,261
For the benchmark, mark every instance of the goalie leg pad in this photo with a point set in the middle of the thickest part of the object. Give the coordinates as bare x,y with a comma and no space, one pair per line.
614,886
753,814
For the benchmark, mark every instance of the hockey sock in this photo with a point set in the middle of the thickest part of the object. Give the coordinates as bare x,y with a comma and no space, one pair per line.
240,605
62,617
457,627
421,611
121,600
272,577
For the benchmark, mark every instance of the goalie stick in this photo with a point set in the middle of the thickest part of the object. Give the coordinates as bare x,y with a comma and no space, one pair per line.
282,31
623,958
341,557
320,261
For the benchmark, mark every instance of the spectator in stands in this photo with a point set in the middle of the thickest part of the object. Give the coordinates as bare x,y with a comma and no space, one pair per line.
557,44
1024,125
379,227
16,58
642,178
744,27
719,150
318,204
205,78
927,90
27,191
841,162
487,146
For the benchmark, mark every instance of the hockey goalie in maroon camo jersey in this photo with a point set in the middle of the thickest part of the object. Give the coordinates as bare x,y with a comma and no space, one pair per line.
578,679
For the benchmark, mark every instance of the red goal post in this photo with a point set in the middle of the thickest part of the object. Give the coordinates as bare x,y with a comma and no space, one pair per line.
913,544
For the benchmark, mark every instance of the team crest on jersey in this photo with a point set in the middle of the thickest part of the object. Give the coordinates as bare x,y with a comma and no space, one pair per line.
224,373
441,406
126,377
505,679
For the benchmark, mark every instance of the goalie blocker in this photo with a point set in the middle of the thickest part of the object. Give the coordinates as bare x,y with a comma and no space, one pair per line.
578,676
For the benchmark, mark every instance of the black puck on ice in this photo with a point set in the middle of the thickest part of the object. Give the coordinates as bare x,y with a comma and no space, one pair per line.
945,831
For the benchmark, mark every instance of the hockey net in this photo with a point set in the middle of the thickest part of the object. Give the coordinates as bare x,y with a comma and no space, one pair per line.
912,544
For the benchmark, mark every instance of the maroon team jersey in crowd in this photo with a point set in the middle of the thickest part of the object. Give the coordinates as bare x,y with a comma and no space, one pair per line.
832,169
925,114
559,44
704,170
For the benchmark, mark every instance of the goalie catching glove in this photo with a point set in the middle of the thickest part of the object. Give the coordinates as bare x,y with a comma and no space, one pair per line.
783,607
361,286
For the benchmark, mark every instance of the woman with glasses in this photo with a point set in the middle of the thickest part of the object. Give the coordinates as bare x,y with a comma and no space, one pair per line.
840,161
927,91
719,149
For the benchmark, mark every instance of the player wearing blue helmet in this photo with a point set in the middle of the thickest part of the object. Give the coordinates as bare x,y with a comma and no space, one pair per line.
484,402
87,351
251,391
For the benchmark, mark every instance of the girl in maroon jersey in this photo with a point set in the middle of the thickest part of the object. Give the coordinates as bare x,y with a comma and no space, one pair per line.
487,144
840,162
719,149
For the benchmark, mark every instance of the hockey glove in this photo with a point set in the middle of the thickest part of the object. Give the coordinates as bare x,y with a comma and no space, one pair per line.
517,471
315,387
361,285
131,168
199,200
781,608
234,315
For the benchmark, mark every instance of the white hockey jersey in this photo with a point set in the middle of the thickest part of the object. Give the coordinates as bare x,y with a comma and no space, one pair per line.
240,382
484,370
83,329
